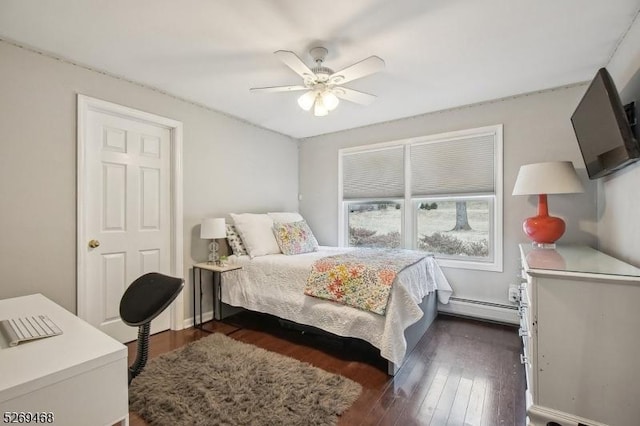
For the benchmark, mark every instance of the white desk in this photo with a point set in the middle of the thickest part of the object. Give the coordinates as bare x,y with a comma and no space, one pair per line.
79,376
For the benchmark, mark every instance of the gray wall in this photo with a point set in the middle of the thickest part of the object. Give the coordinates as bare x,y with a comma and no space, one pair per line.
536,128
619,194
38,169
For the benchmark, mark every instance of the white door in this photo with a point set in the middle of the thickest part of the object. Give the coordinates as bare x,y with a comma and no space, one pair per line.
126,215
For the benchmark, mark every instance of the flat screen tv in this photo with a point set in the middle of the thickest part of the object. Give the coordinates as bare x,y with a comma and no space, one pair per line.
605,129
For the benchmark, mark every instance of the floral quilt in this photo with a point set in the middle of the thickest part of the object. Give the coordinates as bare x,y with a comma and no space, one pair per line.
361,278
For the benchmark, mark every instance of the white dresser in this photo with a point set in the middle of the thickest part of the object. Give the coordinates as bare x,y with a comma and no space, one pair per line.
76,378
580,326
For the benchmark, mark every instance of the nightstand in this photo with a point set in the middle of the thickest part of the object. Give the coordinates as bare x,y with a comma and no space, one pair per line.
217,271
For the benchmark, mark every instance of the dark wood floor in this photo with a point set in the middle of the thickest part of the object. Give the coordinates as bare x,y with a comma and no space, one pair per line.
463,372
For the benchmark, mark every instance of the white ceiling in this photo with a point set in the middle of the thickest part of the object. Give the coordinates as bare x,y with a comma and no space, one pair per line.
439,53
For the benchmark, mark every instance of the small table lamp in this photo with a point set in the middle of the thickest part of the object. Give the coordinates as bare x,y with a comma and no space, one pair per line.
555,177
212,229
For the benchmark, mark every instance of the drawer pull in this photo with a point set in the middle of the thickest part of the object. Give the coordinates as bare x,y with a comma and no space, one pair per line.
524,359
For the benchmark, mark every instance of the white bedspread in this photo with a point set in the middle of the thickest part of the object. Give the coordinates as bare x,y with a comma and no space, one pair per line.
274,284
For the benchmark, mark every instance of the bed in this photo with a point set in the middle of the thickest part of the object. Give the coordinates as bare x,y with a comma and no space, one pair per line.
274,284
281,261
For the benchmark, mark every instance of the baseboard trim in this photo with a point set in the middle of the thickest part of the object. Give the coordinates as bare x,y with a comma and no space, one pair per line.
541,416
481,310
206,316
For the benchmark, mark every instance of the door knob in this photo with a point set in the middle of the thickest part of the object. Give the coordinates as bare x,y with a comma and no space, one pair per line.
94,243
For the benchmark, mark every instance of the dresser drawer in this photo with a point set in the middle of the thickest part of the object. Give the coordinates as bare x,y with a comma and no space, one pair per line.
525,298
526,323
527,360
527,353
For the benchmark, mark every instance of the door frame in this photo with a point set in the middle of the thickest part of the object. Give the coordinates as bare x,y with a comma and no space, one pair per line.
85,105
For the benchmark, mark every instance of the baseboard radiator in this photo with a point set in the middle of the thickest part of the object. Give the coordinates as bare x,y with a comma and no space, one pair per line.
482,310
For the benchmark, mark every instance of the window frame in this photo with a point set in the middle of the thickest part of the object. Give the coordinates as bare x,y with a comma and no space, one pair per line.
409,219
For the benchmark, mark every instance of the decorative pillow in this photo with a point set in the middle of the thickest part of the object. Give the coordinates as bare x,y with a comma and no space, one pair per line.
235,242
295,237
285,217
256,233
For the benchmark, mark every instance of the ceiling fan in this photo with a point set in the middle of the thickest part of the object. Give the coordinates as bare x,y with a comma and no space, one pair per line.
324,86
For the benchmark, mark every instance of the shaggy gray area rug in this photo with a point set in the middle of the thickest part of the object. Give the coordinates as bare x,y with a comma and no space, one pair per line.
220,381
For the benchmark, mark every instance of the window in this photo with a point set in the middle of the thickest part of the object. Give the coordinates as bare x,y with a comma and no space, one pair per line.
375,224
373,193
455,227
441,194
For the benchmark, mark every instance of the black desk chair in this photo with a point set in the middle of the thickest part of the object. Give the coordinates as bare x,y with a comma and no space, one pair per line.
144,300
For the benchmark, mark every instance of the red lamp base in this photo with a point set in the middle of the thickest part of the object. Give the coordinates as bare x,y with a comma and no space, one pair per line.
543,229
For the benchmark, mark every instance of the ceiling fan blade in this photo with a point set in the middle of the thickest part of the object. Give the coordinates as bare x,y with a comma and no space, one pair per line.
295,63
358,70
278,89
354,96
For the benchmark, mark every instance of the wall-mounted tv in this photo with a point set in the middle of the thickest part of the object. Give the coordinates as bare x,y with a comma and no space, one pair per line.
606,130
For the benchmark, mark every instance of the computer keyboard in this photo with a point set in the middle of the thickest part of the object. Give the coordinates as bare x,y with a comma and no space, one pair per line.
17,330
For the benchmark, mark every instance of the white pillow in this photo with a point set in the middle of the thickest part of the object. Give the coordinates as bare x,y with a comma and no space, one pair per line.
286,217
256,231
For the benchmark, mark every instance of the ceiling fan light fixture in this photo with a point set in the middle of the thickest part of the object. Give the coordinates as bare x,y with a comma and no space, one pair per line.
330,100
322,86
320,110
306,101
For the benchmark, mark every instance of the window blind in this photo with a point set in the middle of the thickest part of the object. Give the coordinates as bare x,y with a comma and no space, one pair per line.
373,174
465,165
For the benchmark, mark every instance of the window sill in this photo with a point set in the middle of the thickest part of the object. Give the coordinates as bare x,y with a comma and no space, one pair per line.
465,264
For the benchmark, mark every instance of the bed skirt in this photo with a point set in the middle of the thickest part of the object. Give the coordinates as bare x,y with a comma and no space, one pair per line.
413,333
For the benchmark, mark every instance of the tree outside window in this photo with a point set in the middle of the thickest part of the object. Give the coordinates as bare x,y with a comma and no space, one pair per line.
454,227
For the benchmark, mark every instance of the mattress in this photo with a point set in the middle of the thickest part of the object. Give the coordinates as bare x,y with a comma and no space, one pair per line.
274,284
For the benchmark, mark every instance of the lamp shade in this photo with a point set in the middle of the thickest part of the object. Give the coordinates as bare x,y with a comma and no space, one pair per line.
330,100
554,177
306,101
213,228
319,109
322,100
